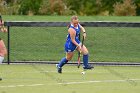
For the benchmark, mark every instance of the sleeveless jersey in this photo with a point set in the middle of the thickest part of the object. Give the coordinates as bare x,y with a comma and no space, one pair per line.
77,30
69,45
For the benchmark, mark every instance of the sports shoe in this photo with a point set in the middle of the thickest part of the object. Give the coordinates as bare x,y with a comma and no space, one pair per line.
59,69
88,67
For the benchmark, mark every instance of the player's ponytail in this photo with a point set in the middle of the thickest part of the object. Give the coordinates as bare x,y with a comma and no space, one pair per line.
68,26
0,20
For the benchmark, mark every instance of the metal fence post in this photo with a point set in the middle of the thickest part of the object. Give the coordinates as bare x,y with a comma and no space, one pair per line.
8,45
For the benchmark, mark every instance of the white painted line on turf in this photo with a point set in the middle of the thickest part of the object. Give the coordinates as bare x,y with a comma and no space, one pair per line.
35,85
20,85
10,86
32,85
98,81
68,83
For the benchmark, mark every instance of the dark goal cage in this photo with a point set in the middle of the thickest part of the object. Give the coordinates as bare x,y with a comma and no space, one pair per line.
43,42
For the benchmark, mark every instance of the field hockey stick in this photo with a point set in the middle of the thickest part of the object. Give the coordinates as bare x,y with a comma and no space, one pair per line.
79,53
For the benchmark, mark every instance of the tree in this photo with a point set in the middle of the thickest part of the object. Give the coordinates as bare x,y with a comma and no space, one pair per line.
127,8
83,7
91,7
30,6
107,5
137,2
54,7
3,7
57,7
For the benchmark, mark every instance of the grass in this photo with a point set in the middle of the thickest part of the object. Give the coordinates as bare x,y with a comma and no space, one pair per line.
37,78
67,18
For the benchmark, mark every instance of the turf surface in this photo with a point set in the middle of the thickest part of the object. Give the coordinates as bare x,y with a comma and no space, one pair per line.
67,18
40,78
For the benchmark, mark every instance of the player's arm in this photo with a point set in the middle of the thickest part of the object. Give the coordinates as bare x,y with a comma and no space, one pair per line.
83,31
2,27
72,36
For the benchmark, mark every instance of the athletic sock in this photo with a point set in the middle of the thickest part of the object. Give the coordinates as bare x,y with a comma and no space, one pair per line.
62,62
85,60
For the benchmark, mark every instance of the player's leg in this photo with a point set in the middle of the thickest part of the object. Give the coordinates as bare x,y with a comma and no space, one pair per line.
3,51
1,59
69,48
64,60
85,58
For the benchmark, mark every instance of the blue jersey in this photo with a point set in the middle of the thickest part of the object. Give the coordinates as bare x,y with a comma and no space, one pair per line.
69,46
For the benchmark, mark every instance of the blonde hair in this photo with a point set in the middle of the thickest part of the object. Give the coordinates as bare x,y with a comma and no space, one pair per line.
74,18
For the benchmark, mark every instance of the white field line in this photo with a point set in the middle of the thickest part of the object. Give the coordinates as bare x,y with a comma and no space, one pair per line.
32,85
99,81
35,85
68,83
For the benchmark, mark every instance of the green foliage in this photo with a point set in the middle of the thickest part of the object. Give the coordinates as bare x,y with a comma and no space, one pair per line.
127,8
3,7
57,7
88,8
13,9
74,5
67,7
92,7
137,2
108,4
44,8
83,7
30,7
9,7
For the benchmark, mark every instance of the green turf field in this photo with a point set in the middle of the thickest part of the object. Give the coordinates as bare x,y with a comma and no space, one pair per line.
67,18
43,78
